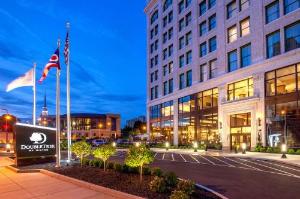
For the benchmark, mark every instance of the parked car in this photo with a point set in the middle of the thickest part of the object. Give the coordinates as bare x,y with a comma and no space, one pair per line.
98,142
123,141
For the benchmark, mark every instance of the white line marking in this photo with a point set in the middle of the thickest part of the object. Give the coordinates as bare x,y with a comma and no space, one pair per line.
155,154
194,159
182,157
230,165
271,163
243,164
172,157
207,159
163,157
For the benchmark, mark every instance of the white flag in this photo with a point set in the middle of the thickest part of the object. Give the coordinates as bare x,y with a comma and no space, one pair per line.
25,80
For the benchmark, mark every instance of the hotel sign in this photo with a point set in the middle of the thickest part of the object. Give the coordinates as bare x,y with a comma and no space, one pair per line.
35,141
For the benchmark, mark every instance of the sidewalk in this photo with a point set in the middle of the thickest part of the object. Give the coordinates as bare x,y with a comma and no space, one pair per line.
291,159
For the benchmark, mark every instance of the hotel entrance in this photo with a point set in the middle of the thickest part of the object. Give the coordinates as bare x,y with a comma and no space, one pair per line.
240,130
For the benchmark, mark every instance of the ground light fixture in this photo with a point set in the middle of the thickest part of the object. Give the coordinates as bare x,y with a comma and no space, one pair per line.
167,144
244,146
195,146
114,144
137,144
283,150
8,148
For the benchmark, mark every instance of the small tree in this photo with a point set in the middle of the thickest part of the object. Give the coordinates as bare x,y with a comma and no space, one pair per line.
138,157
104,152
81,150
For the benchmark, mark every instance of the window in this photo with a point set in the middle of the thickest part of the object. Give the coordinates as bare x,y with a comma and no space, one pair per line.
273,44
272,11
241,89
212,22
189,57
212,68
188,38
244,4
165,21
152,62
281,81
203,50
292,36
170,16
170,67
170,85
181,42
188,19
156,92
165,53
154,17
170,50
152,33
245,55
181,61
245,27
167,4
212,44
165,89
165,37
156,29
152,93
181,24
187,3
156,45
232,61
156,75
202,72
181,81
202,7
170,33
152,77
165,70
180,6
156,59
202,28
211,3
151,48
189,76
231,9
232,34
291,5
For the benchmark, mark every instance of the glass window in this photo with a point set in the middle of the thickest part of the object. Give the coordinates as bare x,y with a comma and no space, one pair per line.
211,3
165,70
189,57
285,80
232,34
240,90
154,16
207,99
273,44
272,11
165,88
171,67
165,53
165,37
212,44
181,61
156,59
181,42
189,78
187,3
181,24
212,68
202,72
188,19
170,85
156,29
181,81
170,16
165,21
212,22
156,92
170,33
244,4
167,4
202,7
203,50
231,9
232,61
202,28
170,50
292,37
291,5
188,38
180,6
245,27
246,55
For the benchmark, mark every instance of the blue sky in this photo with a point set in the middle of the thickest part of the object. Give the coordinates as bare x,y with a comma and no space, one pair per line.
108,54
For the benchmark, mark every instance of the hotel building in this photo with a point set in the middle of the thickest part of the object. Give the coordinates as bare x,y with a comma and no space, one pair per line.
223,72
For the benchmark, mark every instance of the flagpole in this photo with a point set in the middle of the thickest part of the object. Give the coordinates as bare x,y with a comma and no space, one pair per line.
58,113
68,99
34,94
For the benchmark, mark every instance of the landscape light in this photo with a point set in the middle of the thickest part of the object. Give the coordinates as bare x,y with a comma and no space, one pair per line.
137,144
244,146
7,147
114,144
167,144
283,150
195,146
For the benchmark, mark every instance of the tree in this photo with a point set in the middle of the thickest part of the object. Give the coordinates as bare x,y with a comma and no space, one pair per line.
138,157
104,152
81,150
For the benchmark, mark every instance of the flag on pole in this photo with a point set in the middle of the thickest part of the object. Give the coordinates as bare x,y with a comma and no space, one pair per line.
25,80
53,63
66,49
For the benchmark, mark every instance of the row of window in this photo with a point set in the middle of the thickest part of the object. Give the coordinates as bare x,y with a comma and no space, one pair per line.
185,40
154,31
167,35
168,68
273,9
232,7
154,93
185,21
204,6
212,46
245,58
168,52
211,25
168,87
185,59
154,76
167,4
154,46
168,19
183,4
232,34
185,79
211,70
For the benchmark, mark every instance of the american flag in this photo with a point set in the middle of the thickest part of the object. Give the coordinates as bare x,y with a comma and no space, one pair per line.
53,63
66,49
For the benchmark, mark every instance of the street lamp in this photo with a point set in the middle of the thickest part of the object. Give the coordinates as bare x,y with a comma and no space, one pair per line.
167,144
195,146
283,150
244,146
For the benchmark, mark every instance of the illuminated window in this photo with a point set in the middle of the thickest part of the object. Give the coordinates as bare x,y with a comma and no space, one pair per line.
245,27
232,34
244,4
231,9
207,99
240,90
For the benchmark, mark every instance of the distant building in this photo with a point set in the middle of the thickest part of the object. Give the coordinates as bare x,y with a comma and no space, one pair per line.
44,120
130,122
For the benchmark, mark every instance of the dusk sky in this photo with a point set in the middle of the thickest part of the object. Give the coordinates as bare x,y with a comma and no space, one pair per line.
108,54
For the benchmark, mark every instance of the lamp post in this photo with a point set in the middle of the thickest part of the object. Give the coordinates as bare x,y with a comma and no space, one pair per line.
283,150
195,146
167,144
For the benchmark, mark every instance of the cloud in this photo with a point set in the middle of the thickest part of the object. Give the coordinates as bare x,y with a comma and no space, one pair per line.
82,73
9,50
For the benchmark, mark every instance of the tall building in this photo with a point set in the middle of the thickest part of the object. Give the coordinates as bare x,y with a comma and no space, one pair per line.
224,72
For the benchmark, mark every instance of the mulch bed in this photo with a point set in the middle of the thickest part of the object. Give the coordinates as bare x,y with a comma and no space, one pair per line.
124,182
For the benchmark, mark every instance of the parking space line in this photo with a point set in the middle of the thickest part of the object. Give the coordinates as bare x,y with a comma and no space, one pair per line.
230,165
242,164
182,157
172,157
271,163
163,157
155,155
194,158
207,159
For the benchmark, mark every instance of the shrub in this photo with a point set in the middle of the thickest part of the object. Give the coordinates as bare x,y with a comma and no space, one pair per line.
262,149
118,167
298,152
291,151
146,171
104,152
269,150
138,157
177,194
156,171
158,185
85,162
257,148
81,149
187,186
276,150
110,165
64,145
171,179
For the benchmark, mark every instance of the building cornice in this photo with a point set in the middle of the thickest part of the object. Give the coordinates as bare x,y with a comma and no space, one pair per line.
150,4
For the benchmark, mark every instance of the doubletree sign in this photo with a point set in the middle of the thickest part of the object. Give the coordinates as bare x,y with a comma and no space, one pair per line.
35,141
